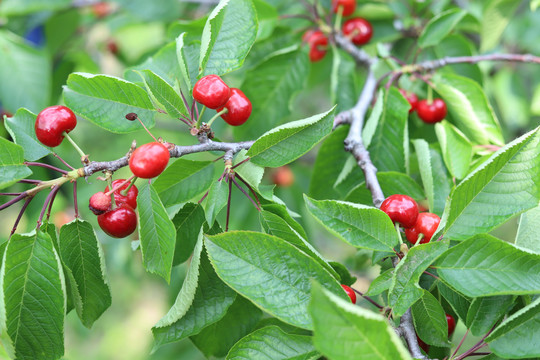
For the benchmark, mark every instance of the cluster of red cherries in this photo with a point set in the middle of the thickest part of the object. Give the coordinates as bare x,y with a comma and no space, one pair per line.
430,112
212,92
357,29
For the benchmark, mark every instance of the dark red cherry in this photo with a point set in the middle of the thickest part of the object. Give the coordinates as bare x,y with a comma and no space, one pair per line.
52,122
130,198
426,224
149,160
348,6
358,30
451,324
431,113
422,344
239,108
411,98
119,222
99,203
318,46
211,91
350,292
401,209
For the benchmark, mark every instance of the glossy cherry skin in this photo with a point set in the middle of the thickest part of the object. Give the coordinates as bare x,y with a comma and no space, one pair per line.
99,203
411,98
431,113
129,199
401,209
350,292
283,176
51,123
451,324
426,224
211,91
318,45
348,6
239,108
119,222
359,30
149,160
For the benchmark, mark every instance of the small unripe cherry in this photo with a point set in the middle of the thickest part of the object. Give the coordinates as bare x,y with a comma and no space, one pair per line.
119,198
350,292
149,160
283,176
401,209
119,222
52,122
211,91
99,203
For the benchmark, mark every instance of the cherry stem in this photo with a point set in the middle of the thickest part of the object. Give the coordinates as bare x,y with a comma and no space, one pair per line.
250,189
63,161
145,128
29,181
13,201
240,163
460,343
51,195
224,111
19,217
339,18
54,191
79,150
133,178
46,166
368,299
471,350
199,116
75,204
186,104
420,237
228,207
432,275
204,196
10,194
111,192
430,95
396,225
244,192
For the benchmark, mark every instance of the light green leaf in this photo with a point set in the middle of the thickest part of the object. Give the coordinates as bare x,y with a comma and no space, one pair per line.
391,183
527,235
424,163
81,253
105,100
505,185
288,142
456,149
497,15
216,200
439,27
381,283
252,262
228,35
188,60
22,7
163,94
342,331
21,129
163,63
359,225
11,163
430,320
282,212
485,312
188,222
486,266
157,233
343,81
267,17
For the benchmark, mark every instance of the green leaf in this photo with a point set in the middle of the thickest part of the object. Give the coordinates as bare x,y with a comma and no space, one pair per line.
486,266
11,163
343,331
389,142
485,312
439,27
251,263
288,142
513,101
345,276
21,129
404,290
343,81
188,60
216,200
469,107
33,293
81,253
456,149
458,302
361,226
188,222
184,179
26,80
430,320
217,339
105,100
527,235
267,17
517,336
281,211
381,283
496,16
487,197
22,7
156,232
424,163
227,37
271,342
163,94
391,183
163,63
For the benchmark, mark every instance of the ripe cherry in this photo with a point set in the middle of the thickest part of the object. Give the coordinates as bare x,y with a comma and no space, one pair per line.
119,222
318,44
401,209
283,176
431,113
411,98
358,30
422,344
426,224
52,122
211,91
149,160
119,198
348,6
451,324
239,108
99,203
350,292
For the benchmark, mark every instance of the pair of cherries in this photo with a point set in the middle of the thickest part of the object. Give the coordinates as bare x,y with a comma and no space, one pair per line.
403,209
212,92
120,221
429,112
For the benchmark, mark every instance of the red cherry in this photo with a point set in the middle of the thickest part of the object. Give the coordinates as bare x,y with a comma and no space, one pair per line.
358,30
308,34
120,199
401,209
101,9
348,6
318,44
426,224
411,98
451,324
350,292
283,176
51,123
149,160
239,108
119,222
211,91
431,113
99,203
422,344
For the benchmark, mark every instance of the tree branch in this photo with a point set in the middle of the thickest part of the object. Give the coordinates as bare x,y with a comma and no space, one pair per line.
359,55
406,329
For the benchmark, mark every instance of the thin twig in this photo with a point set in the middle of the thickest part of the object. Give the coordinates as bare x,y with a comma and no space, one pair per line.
460,343
20,215
228,207
46,166
75,204
245,193
63,161
13,201
250,189
368,299
52,193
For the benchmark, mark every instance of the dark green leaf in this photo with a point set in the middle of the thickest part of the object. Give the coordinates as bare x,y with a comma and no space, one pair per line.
458,302
188,222
216,200
381,283
439,27
430,320
163,94
485,312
